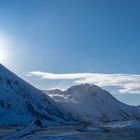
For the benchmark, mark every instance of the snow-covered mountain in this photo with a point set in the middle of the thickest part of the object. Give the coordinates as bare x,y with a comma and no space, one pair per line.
21,103
93,104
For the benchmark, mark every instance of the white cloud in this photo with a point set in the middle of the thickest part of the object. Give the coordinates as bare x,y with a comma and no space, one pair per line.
127,83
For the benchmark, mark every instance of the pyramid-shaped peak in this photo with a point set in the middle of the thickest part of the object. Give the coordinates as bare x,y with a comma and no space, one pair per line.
84,87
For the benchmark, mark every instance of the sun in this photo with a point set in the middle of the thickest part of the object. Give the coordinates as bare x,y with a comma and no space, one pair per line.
4,55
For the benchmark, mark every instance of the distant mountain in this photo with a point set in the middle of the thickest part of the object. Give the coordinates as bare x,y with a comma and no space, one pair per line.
21,103
93,104
138,106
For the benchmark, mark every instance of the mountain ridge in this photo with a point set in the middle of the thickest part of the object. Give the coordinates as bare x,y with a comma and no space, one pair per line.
21,103
93,104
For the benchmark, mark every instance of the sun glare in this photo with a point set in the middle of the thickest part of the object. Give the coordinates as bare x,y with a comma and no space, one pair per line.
3,56
3,49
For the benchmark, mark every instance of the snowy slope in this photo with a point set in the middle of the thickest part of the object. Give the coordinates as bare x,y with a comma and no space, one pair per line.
93,104
138,106
21,103
123,124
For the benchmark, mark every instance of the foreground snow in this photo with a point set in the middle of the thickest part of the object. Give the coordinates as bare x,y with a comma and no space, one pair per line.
53,133
58,138
77,132
123,124
92,129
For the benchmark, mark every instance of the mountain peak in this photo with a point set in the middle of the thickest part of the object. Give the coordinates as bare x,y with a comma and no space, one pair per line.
87,90
94,104
85,86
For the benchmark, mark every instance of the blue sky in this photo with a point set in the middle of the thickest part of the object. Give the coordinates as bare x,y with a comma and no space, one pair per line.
71,36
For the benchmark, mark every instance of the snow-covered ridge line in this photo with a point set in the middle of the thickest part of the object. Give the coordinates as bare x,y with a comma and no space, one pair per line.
21,103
